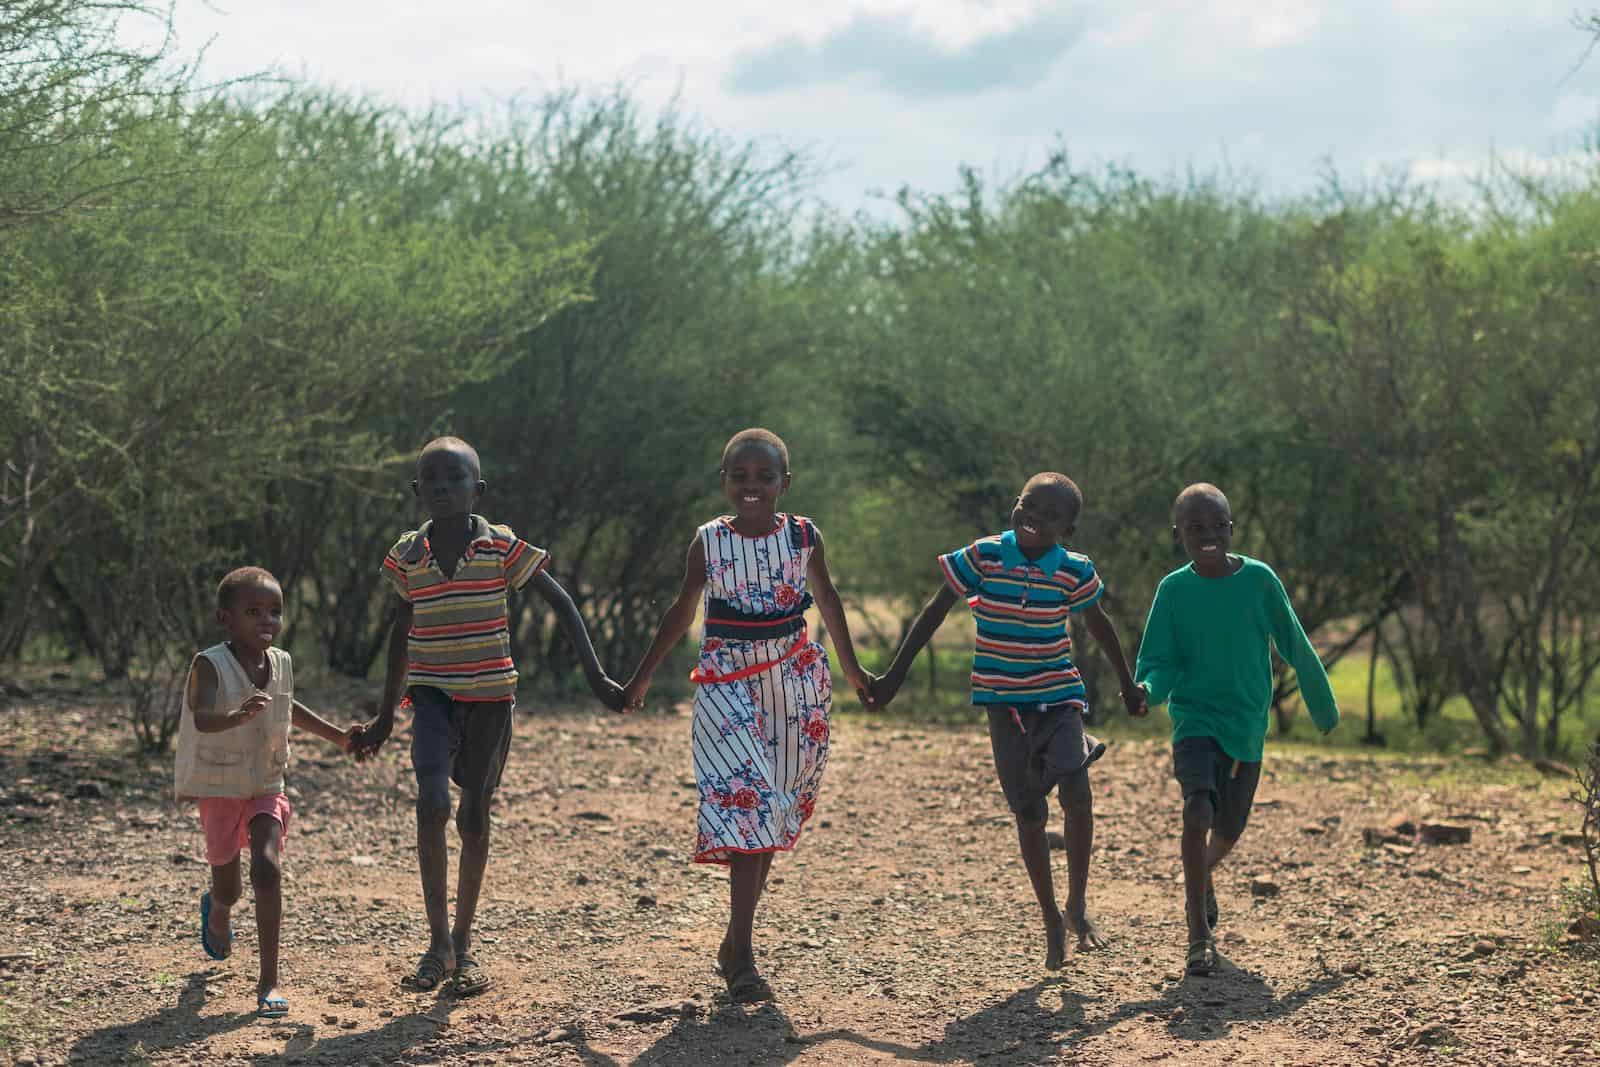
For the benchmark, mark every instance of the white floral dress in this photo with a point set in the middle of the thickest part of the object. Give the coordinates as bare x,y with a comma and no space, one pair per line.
763,692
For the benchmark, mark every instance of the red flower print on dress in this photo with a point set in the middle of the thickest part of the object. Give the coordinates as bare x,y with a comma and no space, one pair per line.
817,730
746,798
711,644
807,656
806,805
721,799
785,596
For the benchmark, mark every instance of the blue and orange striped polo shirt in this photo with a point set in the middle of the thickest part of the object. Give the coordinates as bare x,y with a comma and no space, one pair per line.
1023,651
459,639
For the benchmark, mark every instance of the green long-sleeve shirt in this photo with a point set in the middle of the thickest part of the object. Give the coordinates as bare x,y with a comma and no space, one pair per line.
1207,650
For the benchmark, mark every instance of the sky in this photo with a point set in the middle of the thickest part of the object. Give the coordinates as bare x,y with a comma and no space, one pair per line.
882,94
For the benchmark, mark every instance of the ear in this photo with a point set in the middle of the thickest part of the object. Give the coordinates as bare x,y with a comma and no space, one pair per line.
478,490
787,477
416,492
222,617
1177,538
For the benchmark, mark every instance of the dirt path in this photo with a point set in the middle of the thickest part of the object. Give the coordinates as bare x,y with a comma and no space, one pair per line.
901,930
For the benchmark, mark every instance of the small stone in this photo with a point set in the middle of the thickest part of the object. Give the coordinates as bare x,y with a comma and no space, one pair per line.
1483,947
645,900
357,1002
1522,870
582,879
1444,833
1399,850
560,1033
1314,829
1055,839
363,861
1262,886
89,790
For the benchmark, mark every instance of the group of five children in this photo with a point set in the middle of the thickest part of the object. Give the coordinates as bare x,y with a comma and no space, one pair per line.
763,691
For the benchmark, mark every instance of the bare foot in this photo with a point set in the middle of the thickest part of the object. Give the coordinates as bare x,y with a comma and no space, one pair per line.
1089,938
1055,953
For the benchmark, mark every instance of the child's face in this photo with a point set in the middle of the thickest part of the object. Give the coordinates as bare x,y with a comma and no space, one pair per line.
447,484
754,479
253,616
1205,530
1042,517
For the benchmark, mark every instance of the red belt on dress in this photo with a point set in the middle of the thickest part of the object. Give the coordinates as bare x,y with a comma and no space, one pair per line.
711,676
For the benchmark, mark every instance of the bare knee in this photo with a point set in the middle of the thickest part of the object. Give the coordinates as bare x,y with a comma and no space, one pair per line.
1198,814
1075,794
433,803
266,872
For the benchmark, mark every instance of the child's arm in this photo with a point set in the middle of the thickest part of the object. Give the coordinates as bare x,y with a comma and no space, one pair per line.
1105,634
674,624
203,694
368,737
1296,648
303,718
1157,669
605,690
832,612
922,630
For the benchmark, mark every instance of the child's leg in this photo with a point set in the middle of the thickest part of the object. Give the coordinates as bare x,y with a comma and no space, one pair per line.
485,743
747,880
1077,802
1198,815
266,883
433,742
1015,766
225,889
1237,791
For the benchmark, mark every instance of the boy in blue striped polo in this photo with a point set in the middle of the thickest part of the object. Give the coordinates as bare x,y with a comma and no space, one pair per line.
1023,586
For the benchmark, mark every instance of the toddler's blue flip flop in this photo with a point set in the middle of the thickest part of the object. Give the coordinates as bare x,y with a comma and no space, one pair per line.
205,929
273,1007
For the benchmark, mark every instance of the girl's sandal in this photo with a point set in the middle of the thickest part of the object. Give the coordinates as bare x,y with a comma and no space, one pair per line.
470,979
430,972
1202,958
746,986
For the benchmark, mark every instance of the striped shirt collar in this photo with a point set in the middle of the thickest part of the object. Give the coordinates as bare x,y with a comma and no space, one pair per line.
1013,559
421,549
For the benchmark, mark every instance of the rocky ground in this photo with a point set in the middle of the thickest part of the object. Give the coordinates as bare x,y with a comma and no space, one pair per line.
902,929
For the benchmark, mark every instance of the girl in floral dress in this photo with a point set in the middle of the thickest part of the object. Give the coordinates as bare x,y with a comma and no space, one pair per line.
763,690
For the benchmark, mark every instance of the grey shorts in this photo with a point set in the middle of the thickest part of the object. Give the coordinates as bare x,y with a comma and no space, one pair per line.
465,742
1036,747
1200,766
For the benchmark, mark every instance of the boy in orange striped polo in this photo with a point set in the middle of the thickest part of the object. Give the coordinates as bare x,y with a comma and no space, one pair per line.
450,649
1022,587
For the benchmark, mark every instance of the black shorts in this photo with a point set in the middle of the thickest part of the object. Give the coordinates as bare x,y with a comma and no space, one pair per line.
1200,766
460,741
1035,750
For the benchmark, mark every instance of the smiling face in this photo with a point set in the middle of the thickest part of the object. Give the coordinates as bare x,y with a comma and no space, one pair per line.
1205,530
1043,516
448,482
253,615
753,477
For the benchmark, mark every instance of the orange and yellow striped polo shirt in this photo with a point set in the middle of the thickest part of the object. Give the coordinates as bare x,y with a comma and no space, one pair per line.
459,640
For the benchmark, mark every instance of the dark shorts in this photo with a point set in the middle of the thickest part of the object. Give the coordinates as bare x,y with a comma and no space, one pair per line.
1200,766
1036,750
460,741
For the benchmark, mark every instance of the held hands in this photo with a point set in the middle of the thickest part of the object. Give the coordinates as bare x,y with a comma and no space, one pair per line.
882,691
367,737
1137,701
633,693
611,694
864,683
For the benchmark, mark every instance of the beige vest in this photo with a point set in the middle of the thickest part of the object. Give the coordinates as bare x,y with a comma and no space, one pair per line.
249,760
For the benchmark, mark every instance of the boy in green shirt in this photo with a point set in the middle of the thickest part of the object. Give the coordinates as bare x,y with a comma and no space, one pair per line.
1207,650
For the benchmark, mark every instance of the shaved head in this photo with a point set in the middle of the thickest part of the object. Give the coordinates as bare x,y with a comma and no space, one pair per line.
1194,494
456,446
1059,488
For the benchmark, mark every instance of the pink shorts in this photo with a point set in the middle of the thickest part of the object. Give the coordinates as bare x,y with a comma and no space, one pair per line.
226,822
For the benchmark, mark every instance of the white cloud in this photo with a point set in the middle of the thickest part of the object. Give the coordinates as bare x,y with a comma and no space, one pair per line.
1274,88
